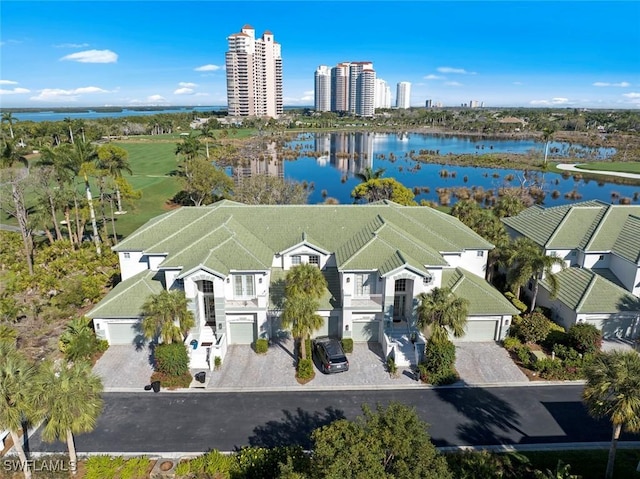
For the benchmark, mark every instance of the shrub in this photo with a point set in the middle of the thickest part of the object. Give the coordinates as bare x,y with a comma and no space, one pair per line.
532,328
171,381
211,464
439,356
511,344
103,467
347,345
442,378
305,369
79,342
217,362
172,359
262,462
564,352
392,367
516,302
524,354
585,338
261,346
555,337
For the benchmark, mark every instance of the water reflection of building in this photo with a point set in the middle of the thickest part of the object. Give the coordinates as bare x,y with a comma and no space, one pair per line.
348,152
265,163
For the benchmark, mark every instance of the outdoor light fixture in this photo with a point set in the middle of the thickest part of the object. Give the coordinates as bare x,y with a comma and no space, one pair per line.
348,279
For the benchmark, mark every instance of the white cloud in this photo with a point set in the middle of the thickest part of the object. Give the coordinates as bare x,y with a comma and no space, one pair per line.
208,68
72,45
202,94
434,77
184,91
93,56
8,82
14,91
307,95
58,94
156,98
460,71
622,84
452,83
553,101
185,84
632,95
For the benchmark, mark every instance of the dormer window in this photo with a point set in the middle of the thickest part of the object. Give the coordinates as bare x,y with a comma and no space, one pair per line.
296,260
127,255
427,279
314,260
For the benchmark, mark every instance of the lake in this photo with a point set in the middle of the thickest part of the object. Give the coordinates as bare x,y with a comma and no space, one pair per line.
330,161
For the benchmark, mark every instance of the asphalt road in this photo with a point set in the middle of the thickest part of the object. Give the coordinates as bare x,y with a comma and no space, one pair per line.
196,422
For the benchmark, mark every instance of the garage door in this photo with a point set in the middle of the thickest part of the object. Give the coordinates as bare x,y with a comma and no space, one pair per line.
242,332
612,328
330,327
366,331
122,333
480,331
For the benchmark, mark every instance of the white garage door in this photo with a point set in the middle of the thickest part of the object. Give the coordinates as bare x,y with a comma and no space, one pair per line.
477,330
330,327
242,332
366,331
122,333
612,328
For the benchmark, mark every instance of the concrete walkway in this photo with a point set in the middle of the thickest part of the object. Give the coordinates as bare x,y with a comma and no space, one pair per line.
573,167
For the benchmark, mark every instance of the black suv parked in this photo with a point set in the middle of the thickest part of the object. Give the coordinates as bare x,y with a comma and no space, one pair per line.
331,355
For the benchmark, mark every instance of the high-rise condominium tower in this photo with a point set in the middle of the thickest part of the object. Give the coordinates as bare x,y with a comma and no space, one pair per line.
254,74
353,88
403,95
383,94
322,91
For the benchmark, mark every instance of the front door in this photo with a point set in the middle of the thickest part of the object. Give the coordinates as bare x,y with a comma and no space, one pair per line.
399,304
210,312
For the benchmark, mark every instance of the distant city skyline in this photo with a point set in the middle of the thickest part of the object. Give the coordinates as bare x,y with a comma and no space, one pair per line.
579,54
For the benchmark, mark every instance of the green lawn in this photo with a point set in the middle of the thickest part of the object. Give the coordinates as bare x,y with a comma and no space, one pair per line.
621,166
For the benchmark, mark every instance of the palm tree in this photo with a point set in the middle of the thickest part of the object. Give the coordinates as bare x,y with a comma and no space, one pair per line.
547,136
441,310
17,402
304,286
72,395
613,391
8,117
81,157
526,261
206,132
190,148
369,173
69,122
166,315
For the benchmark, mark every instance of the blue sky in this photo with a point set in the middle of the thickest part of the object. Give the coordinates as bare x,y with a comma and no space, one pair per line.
124,53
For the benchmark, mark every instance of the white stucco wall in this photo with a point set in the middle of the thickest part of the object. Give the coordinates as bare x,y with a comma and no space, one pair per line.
135,263
469,260
627,272
562,314
566,254
592,260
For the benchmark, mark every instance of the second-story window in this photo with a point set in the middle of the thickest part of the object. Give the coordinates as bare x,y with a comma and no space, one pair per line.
365,284
295,260
243,286
314,260
127,255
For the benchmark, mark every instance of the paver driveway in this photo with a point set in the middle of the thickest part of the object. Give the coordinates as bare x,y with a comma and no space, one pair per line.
122,366
486,363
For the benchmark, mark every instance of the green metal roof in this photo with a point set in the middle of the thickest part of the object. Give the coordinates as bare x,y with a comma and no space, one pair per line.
591,226
627,245
586,292
232,236
125,300
483,298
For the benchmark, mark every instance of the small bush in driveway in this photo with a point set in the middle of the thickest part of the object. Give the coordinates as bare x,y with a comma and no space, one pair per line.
347,345
172,359
437,368
261,346
305,369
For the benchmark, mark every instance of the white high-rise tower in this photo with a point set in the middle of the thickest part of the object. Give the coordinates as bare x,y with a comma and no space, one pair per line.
403,95
322,90
383,94
254,74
